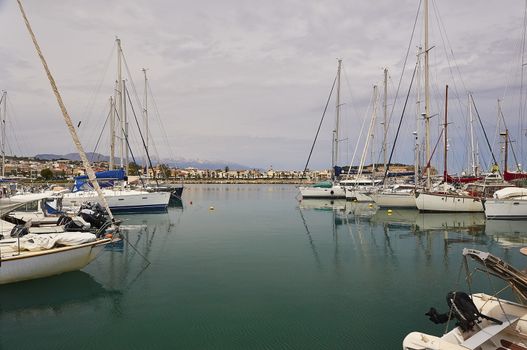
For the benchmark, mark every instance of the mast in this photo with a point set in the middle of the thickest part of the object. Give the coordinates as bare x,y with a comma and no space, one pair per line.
472,149
506,150
4,98
385,105
427,100
418,118
335,154
112,133
445,170
125,131
145,112
120,100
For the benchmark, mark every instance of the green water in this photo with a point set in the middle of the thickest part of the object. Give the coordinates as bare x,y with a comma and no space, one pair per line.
260,271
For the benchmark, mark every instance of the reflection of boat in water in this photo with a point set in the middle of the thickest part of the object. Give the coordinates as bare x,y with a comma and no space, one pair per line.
508,233
41,295
472,222
322,204
360,209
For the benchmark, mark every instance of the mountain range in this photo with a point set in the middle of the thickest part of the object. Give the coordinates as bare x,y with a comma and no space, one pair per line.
180,162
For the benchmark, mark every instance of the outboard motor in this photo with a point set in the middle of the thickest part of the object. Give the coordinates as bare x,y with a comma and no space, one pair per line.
18,231
93,213
463,309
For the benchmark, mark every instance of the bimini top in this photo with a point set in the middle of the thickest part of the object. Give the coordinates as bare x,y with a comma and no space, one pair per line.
499,268
104,178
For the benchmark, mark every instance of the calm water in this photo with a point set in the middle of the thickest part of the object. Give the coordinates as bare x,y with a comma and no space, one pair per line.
260,271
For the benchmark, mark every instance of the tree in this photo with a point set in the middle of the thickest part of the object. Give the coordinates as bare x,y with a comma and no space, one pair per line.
165,171
133,169
47,174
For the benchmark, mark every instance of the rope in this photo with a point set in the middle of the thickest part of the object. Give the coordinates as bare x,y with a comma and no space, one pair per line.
67,119
320,124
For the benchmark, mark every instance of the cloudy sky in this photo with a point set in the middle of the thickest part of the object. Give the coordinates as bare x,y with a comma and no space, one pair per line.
247,81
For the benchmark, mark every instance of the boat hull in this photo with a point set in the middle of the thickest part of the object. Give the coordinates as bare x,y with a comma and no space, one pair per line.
357,196
322,192
505,209
33,265
433,202
394,200
122,201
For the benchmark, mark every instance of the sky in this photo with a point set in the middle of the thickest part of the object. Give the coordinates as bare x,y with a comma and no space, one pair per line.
247,81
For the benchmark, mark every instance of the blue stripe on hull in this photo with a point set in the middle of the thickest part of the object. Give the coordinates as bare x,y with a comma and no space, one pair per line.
139,209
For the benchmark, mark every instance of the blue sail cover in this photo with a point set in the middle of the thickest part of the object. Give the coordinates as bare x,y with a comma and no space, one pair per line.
104,178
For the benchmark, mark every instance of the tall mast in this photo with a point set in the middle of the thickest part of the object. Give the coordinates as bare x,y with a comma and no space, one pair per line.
120,100
4,98
112,133
125,130
145,111
418,119
334,158
472,148
427,100
385,105
506,150
445,170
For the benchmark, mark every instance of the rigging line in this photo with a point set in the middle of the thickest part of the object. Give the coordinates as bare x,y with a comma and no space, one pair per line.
434,151
66,116
320,124
484,132
400,123
404,63
163,129
442,29
100,135
88,109
126,139
509,139
359,138
141,134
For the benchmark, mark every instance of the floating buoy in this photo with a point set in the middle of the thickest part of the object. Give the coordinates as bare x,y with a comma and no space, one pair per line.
190,202
211,208
389,212
370,205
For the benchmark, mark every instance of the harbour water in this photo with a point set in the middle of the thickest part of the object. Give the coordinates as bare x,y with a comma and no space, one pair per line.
252,267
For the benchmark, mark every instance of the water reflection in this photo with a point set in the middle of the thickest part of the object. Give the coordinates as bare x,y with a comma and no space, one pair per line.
54,295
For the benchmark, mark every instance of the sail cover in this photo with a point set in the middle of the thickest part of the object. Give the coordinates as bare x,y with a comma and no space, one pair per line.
104,178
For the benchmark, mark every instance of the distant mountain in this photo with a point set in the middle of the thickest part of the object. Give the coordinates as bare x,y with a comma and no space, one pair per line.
180,163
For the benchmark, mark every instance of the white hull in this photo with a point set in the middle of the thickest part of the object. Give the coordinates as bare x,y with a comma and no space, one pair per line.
121,201
321,192
32,265
505,209
357,196
490,336
448,203
394,200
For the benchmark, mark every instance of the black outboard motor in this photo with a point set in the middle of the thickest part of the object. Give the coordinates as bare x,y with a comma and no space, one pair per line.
94,214
462,308
18,231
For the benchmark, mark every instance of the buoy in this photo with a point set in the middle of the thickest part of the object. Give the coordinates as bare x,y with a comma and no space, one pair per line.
211,208
389,212
190,202
370,205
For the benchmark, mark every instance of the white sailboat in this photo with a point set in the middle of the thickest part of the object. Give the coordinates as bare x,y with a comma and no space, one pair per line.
121,198
329,189
17,264
507,203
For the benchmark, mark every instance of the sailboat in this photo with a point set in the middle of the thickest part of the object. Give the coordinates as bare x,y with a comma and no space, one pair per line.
329,189
20,265
482,321
120,197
